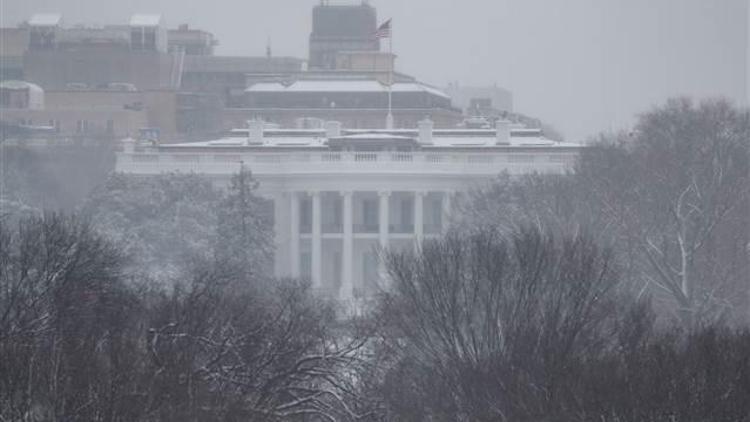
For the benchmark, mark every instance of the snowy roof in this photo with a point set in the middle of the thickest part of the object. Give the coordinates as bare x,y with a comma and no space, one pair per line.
343,86
233,141
19,85
145,20
45,19
372,136
285,141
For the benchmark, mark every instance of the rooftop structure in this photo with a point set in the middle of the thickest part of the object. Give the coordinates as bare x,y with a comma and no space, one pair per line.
45,20
193,42
499,99
344,86
357,100
21,95
341,27
341,195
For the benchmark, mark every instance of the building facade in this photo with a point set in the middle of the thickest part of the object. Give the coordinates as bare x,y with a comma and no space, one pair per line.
191,41
337,28
354,99
105,114
60,57
342,196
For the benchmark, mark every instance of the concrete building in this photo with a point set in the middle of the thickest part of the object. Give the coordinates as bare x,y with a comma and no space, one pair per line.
21,95
228,76
191,41
357,101
13,45
375,62
105,114
93,57
337,28
342,195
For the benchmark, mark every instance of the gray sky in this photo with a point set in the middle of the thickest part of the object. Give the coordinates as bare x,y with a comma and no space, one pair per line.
582,65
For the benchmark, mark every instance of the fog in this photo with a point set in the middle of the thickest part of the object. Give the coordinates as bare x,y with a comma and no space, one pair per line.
584,66
201,233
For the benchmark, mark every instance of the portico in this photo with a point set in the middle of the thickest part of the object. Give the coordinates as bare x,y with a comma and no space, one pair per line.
335,237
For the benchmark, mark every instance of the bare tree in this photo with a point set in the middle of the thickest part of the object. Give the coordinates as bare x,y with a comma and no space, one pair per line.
486,327
677,188
500,322
62,334
227,350
671,199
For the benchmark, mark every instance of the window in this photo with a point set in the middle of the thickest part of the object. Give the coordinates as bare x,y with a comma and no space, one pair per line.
370,214
149,39
110,127
305,215
82,126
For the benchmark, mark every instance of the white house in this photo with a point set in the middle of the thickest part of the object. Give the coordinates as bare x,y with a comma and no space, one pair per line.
341,196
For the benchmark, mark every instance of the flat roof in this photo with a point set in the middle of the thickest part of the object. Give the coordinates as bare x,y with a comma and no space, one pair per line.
286,138
45,19
303,86
145,20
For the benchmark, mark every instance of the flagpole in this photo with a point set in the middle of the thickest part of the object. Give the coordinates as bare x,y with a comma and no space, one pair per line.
389,118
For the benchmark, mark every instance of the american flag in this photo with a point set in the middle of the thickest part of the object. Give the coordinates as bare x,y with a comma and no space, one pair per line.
384,30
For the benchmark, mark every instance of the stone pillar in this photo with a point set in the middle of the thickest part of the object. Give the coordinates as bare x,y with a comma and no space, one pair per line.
384,220
317,242
347,255
384,224
281,235
418,218
446,211
294,234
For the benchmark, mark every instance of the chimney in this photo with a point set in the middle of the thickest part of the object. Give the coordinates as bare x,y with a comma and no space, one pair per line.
502,130
425,131
255,132
333,129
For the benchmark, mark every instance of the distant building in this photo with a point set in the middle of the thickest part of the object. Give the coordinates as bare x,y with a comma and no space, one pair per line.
338,28
228,77
21,95
339,195
95,57
193,42
110,113
358,101
13,45
141,56
485,97
365,61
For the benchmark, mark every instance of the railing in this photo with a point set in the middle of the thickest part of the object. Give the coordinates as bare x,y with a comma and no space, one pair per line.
274,163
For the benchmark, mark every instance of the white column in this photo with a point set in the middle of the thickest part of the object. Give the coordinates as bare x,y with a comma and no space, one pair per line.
281,226
446,211
384,224
418,218
347,256
294,234
317,242
384,220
